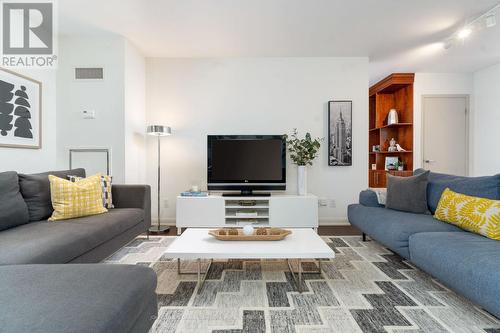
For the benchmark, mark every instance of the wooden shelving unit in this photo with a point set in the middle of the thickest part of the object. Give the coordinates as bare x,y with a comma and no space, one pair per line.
393,92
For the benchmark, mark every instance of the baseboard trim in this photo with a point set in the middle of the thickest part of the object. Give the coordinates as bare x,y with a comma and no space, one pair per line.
170,221
333,222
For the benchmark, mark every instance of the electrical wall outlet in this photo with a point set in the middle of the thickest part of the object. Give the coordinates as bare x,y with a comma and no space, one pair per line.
323,202
165,203
332,203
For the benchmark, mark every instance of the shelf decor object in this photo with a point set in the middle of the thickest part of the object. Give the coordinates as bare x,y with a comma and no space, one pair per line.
390,117
159,131
259,234
248,230
301,180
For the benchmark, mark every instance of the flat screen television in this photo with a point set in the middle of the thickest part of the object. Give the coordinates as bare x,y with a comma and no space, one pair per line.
246,163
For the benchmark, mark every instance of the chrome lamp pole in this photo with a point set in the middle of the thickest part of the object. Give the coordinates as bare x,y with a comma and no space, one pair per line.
159,131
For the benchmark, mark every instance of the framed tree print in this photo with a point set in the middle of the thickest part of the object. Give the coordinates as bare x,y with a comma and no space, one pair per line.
20,111
340,133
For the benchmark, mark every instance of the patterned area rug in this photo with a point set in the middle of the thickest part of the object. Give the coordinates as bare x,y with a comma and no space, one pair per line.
366,288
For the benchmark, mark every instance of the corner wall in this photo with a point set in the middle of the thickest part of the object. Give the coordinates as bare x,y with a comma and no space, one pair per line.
135,115
486,127
105,97
198,97
118,100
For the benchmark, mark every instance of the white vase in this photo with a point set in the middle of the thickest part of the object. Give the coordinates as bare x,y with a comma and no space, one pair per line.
301,180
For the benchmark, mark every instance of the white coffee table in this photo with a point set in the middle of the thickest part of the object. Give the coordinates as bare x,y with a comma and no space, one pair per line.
197,244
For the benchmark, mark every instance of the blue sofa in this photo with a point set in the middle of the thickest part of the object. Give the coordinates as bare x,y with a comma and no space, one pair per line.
465,262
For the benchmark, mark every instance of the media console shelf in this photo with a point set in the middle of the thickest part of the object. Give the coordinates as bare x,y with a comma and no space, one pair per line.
242,211
278,210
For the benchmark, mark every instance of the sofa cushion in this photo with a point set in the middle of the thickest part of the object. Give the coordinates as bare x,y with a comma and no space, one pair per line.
407,194
465,262
60,242
35,189
484,187
13,209
75,298
393,228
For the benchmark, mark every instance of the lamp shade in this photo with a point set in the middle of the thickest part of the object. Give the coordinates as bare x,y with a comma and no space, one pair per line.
158,130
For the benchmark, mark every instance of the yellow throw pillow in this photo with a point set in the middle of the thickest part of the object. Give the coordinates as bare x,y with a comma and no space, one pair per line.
474,214
75,199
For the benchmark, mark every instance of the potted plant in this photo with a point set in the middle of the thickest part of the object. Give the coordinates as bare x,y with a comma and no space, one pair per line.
302,152
400,165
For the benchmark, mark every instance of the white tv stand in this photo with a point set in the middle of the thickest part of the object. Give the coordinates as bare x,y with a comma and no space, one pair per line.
278,210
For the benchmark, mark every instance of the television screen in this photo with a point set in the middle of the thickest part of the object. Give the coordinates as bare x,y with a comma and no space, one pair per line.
246,160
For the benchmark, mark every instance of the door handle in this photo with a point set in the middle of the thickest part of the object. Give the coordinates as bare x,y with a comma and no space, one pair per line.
429,161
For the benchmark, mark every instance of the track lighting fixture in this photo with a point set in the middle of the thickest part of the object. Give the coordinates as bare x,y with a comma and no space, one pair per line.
491,20
464,33
486,20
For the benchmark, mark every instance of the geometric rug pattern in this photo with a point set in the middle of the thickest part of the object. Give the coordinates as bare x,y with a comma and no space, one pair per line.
366,288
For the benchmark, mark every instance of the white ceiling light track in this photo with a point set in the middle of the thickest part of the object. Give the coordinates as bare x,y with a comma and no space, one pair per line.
486,20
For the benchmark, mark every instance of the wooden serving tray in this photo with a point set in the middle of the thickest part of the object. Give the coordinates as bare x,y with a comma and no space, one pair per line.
260,234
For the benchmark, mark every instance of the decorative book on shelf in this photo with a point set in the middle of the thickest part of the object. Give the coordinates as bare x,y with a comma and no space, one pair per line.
194,194
395,92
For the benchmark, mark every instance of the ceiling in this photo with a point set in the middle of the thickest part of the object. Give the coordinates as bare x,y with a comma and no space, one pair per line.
397,35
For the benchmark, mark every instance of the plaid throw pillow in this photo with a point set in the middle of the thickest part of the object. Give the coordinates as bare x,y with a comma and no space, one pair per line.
75,199
106,183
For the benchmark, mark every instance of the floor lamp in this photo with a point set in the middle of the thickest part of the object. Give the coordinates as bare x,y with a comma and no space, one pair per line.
159,131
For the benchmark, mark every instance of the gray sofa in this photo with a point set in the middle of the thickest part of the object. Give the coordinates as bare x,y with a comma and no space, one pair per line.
465,262
38,293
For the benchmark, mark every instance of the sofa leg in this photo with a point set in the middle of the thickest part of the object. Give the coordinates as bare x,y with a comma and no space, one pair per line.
147,234
364,237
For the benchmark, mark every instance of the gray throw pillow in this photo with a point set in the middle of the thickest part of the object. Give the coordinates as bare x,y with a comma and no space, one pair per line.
35,189
407,194
13,209
483,187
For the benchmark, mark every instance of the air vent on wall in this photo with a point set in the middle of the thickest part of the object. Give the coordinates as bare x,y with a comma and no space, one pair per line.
94,73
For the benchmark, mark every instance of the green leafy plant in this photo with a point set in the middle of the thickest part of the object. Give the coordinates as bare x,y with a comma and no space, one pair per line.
302,151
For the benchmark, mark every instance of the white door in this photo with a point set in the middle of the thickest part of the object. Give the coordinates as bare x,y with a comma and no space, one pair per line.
445,123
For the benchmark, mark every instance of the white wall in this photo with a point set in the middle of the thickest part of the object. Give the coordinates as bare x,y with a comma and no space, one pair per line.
486,126
106,97
252,96
135,115
437,84
44,159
